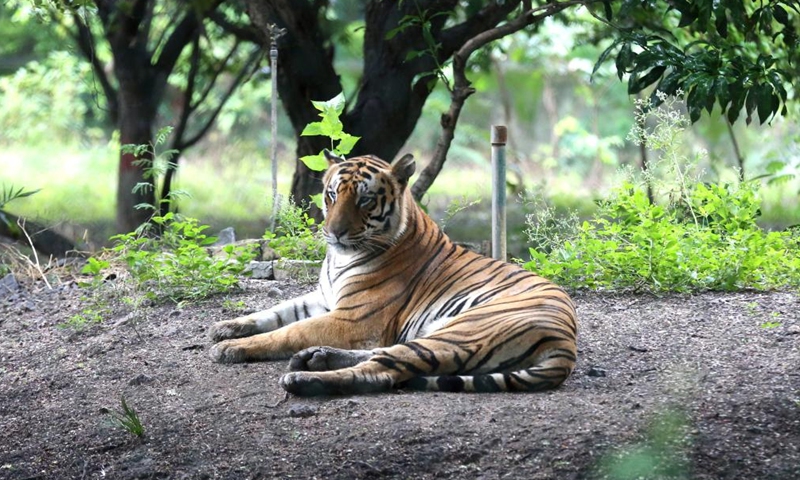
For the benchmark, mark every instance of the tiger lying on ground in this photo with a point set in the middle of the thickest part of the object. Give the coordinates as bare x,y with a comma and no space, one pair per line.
442,317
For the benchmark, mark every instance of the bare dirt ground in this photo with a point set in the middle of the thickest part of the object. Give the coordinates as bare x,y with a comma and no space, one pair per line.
680,386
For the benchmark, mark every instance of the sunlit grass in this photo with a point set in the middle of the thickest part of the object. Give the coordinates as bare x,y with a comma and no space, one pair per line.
78,186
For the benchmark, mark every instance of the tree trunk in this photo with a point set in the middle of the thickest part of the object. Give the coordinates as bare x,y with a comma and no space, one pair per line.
393,90
138,101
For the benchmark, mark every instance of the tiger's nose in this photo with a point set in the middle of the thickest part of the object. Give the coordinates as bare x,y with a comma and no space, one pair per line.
337,232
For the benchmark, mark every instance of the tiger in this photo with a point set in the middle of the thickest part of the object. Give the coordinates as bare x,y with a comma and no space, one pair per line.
400,305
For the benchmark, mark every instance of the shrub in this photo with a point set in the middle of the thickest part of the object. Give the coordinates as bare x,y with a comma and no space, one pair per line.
698,237
177,265
296,235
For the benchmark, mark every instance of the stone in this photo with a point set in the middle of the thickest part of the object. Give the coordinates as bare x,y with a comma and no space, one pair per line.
302,411
226,236
8,285
261,270
596,372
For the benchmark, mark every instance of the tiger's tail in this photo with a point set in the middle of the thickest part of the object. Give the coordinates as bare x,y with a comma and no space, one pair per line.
546,375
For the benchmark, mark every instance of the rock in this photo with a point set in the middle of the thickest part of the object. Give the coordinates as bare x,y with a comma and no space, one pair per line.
596,372
8,285
274,293
301,270
262,270
793,330
226,236
302,411
141,379
637,349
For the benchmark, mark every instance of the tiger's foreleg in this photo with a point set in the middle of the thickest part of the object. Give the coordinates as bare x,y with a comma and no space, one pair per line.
284,313
378,371
325,329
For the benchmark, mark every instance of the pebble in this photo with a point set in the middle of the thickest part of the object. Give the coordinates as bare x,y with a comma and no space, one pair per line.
302,411
596,372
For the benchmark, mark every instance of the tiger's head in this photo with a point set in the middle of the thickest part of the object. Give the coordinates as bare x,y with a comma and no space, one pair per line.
364,202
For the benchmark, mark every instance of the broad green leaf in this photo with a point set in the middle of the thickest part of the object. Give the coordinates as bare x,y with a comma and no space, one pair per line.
312,129
346,144
317,162
317,199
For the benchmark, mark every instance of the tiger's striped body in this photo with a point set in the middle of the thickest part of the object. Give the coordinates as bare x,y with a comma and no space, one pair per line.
399,304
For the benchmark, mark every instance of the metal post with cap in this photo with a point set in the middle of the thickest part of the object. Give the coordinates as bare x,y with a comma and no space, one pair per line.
499,137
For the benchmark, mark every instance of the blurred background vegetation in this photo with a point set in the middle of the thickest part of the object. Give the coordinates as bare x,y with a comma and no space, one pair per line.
567,132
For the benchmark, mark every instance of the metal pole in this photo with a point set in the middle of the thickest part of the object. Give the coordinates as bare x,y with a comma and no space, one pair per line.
273,72
499,136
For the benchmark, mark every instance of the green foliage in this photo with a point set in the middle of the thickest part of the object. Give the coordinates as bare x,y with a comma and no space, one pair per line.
48,99
423,21
295,236
736,53
455,207
80,321
703,236
127,419
155,163
661,453
330,126
177,265
9,194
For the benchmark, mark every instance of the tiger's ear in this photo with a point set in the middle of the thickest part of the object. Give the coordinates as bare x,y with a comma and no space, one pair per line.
404,168
332,157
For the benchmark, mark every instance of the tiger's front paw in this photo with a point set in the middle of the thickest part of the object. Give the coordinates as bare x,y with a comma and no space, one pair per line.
228,352
236,328
322,359
304,384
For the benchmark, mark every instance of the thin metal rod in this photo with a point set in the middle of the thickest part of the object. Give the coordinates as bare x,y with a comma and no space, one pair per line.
499,137
273,69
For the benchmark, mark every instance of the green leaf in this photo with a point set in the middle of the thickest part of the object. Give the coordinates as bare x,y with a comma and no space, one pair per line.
317,200
346,144
312,129
764,100
318,163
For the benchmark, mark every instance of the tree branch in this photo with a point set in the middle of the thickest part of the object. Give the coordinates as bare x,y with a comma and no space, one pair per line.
241,32
462,88
243,73
85,40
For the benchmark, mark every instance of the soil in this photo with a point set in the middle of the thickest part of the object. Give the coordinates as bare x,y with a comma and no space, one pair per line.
678,386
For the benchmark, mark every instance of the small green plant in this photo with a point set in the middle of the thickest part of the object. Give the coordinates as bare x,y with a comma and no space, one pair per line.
127,419
295,236
177,265
155,163
80,321
9,194
455,207
231,305
773,323
662,453
330,126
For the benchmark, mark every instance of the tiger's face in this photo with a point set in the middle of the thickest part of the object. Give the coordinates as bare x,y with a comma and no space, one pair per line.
363,202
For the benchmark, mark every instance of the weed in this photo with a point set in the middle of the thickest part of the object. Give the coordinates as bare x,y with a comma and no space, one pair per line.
295,236
80,321
231,305
177,265
660,454
455,207
127,419
700,237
